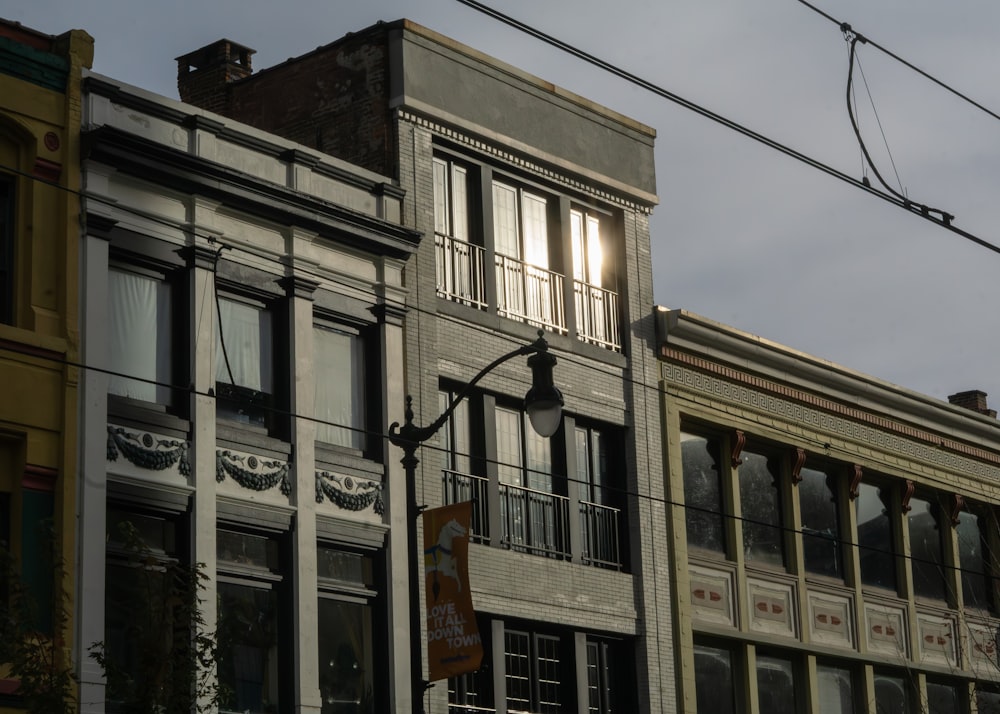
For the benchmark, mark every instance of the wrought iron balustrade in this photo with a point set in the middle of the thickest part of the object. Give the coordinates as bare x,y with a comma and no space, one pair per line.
599,525
534,521
597,315
459,487
461,272
531,294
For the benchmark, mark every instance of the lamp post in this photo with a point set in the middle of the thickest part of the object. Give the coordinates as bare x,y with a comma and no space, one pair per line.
543,402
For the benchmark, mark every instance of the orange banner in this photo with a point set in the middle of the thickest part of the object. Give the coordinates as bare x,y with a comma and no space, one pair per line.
453,642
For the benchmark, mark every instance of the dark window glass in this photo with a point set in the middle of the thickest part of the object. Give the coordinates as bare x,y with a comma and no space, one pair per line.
598,514
7,234
820,523
775,685
346,671
713,671
974,558
455,434
893,694
876,540
835,689
517,657
926,554
760,501
343,566
702,492
245,549
943,698
534,672
987,699
549,677
248,648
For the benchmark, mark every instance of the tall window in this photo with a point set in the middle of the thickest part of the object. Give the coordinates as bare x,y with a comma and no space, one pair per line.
249,626
760,499
244,363
451,200
339,368
525,458
460,266
598,514
346,665
818,499
140,317
592,464
926,551
702,492
520,225
714,679
876,536
776,685
893,693
835,689
975,557
608,687
588,255
947,698
7,236
533,672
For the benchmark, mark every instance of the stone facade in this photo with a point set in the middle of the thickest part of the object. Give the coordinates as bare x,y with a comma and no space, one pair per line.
533,203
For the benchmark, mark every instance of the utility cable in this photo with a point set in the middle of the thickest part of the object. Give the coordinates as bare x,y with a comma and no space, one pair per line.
845,26
878,120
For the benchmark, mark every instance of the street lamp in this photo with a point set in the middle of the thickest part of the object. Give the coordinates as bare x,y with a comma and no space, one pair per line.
543,403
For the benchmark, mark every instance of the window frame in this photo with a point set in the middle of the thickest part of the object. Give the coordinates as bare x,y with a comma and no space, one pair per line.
892,512
362,426
8,252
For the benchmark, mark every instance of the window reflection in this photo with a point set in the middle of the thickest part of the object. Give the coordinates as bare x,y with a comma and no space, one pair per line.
892,694
775,685
713,671
876,541
248,648
926,554
834,685
702,492
943,698
820,523
974,559
345,657
761,504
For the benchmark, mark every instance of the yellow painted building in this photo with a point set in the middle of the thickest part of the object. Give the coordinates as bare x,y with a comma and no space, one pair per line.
40,84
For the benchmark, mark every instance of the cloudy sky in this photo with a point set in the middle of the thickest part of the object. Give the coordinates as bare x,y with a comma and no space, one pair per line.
743,235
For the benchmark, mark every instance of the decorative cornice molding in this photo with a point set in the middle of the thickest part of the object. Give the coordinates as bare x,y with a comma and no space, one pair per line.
514,159
199,256
799,407
389,313
100,226
298,287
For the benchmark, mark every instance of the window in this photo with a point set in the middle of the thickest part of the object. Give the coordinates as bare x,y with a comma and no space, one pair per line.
818,500
526,288
608,686
140,314
926,552
599,517
533,672
876,536
835,689
945,698
472,693
596,304
533,518
460,263
987,699
244,363
775,685
248,625
703,492
760,498
713,672
346,663
975,556
7,237
459,483
893,694
339,368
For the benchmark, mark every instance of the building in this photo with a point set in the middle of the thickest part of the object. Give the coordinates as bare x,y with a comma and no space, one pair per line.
40,78
833,537
538,202
242,306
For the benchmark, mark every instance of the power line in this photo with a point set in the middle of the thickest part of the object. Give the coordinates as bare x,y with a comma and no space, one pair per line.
845,27
907,205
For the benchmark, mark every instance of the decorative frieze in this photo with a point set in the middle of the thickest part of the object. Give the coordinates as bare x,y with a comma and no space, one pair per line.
147,451
885,630
772,607
349,493
936,641
831,619
251,472
712,595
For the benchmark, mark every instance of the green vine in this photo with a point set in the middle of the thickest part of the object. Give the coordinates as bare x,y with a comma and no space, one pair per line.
229,464
348,493
147,452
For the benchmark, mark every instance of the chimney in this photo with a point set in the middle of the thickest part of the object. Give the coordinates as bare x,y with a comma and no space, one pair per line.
974,400
203,75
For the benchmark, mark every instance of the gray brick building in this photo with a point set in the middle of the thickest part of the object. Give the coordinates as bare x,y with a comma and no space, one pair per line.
534,204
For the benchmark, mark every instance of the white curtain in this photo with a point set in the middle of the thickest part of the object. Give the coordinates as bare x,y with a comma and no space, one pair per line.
338,364
139,316
247,333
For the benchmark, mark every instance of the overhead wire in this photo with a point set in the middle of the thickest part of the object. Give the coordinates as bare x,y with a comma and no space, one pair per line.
916,209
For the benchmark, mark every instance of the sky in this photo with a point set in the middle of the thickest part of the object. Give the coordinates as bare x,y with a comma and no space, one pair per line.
743,235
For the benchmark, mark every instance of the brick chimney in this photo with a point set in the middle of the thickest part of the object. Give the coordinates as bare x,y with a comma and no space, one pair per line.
974,400
202,75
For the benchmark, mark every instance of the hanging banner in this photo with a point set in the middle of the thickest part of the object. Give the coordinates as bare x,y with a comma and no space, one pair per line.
453,642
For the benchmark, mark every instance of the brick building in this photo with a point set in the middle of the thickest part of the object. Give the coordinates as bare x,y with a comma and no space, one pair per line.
834,537
538,202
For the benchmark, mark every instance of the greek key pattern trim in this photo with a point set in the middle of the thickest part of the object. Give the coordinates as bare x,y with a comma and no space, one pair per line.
147,451
348,493
847,426
510,158
251,472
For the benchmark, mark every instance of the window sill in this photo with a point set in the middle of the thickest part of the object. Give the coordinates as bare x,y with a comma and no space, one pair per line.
234,435
147,415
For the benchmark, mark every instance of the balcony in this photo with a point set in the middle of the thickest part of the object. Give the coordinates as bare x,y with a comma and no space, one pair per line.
530,294
460,271
597,315
537,522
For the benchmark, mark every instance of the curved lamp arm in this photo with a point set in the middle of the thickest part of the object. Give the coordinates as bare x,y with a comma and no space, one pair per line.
409,435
